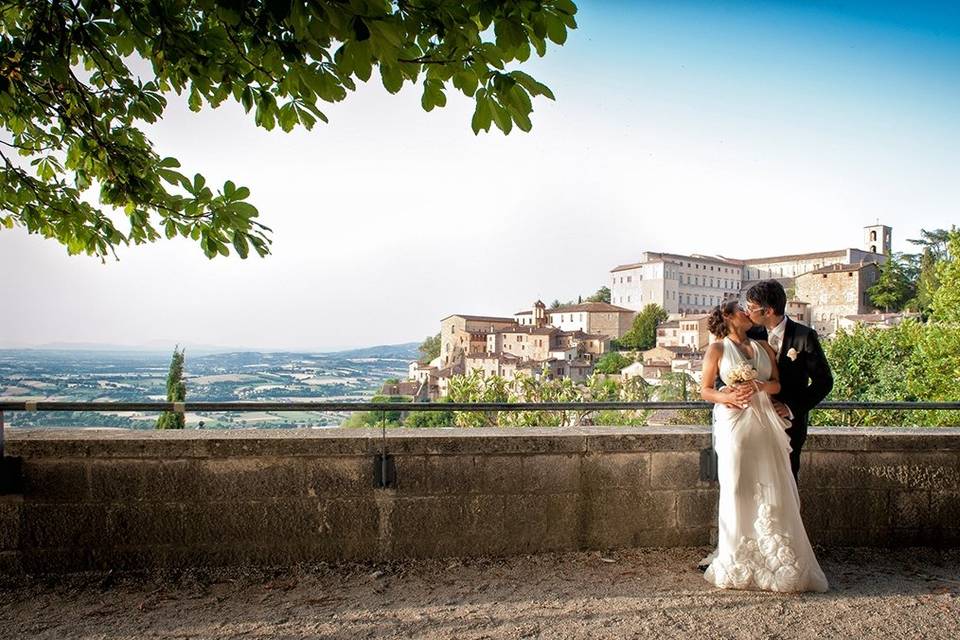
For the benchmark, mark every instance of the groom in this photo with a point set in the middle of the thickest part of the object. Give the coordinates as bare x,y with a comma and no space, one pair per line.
805,377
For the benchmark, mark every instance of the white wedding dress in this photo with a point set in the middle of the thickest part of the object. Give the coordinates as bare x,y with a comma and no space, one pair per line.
762,543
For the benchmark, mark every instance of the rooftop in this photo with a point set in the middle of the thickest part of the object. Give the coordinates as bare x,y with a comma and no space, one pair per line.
910,593
592,307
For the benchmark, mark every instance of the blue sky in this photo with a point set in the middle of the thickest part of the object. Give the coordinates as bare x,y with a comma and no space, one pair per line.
735,128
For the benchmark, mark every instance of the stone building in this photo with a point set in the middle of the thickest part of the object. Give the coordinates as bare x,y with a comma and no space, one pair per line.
592,317
835,292
686,331
463,334
688,284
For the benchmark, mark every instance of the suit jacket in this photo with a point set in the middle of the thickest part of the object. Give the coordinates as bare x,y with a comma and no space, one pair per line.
805,380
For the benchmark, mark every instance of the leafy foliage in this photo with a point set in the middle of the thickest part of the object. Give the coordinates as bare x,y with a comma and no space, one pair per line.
429,348
945,305
643,334
176,392
909,362
475,387
80,78
602,295
611,363
896,286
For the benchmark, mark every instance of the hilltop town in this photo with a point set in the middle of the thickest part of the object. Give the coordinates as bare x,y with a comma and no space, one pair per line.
826,290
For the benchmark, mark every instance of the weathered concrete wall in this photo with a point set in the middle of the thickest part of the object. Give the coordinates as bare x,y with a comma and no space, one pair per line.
130,500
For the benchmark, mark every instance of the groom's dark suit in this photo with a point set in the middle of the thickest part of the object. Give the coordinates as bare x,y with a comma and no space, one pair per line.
804,380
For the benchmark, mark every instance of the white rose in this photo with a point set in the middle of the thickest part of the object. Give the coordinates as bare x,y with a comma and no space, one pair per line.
740,576
768,545
765,511
773,563
763,526
786,578
764,579
786,555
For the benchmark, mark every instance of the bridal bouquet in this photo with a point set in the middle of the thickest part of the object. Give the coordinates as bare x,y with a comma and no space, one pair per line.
742,373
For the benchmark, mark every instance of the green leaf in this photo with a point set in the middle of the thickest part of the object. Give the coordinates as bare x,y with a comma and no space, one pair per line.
241,245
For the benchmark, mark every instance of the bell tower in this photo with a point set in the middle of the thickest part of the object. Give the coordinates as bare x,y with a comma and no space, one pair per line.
877,238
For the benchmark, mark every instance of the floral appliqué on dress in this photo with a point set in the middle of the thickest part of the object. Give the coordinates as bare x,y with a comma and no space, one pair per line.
765,562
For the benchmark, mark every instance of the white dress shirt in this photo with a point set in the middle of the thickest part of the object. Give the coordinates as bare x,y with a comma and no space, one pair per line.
775,339
775,335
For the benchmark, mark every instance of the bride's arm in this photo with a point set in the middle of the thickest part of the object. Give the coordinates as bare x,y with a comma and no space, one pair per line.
711,367
771,386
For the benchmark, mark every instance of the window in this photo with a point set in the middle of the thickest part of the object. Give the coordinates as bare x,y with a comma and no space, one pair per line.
873,236
629,279
628,298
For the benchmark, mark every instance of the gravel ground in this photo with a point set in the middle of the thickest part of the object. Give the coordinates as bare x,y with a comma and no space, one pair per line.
910,593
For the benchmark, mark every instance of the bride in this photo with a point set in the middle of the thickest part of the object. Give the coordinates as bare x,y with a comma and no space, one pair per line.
762,543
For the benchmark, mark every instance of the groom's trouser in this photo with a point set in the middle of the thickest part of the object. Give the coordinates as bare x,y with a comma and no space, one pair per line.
798,435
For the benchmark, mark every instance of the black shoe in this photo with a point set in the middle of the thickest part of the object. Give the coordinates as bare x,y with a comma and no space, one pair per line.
702,568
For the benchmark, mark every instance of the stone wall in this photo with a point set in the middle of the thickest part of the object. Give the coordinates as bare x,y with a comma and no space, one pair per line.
133,500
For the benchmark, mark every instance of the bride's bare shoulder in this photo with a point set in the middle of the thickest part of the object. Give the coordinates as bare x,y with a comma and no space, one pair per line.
714,349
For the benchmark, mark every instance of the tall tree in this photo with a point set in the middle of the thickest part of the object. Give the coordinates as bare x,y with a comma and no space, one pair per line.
945,306
176,392
643,334
429,348
895,287
80,78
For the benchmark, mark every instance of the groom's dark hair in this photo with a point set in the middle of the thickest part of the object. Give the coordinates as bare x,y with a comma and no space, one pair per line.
769,294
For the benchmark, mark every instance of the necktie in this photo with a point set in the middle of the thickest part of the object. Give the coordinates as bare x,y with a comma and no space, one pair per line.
775,340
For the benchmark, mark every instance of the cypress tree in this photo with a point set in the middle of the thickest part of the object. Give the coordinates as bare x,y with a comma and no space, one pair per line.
176,392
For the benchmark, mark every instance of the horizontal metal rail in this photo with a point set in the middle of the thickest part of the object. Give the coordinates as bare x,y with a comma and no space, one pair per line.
159,407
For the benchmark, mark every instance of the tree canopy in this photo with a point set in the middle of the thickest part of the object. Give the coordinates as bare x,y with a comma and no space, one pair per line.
80,78
643,334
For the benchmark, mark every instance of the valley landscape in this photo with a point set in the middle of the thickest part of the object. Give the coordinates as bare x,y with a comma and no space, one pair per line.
140,376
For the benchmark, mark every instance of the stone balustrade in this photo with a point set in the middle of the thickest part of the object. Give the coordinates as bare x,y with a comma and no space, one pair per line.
104,499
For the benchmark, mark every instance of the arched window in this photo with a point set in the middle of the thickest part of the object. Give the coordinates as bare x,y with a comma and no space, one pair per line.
873,236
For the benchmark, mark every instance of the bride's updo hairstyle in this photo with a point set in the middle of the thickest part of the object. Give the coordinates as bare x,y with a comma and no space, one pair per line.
717,322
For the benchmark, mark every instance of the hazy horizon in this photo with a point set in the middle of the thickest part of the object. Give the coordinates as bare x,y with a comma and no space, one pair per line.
733,128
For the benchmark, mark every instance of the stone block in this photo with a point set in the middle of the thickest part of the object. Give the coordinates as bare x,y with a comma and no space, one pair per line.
413,478
551,473
452,474
697,509
55,481
118,480
945,509
616,470
143,524
249,478
225,480
11,563
845,509
10,517
338,476
675,470
175,481
501,474
226,523
63,525
348,530
428,527
60,560
536,524
615,518
928,470
910,509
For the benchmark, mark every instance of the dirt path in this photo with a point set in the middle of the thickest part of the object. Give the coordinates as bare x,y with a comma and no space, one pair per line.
633,594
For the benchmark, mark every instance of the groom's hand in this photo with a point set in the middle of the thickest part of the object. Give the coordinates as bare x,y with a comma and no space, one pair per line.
782,410
743,393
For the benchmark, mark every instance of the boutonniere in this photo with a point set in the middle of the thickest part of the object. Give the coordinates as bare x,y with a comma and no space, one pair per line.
792,354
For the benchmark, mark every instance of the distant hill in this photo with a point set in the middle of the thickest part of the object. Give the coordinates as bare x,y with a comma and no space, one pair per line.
406,351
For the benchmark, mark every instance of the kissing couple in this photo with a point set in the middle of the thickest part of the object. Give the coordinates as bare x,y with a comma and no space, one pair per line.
764,375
